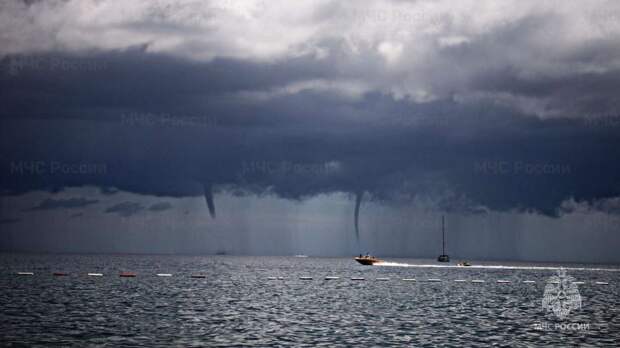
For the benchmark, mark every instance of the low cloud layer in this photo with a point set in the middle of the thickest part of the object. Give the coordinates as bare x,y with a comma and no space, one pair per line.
69,203
125,209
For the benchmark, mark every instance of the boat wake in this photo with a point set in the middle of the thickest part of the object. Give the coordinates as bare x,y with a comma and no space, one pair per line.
531,268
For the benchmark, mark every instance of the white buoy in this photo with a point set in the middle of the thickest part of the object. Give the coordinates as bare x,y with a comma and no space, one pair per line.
383,279
433,280
280,278
409,279
529,281
271,278
164,275
501,281
477,281
601,283
331,278
357,278
95,274
305,278
579,283
25,273
459,280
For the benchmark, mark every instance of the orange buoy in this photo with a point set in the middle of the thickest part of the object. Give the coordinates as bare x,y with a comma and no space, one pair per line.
127,274
60,274
198,276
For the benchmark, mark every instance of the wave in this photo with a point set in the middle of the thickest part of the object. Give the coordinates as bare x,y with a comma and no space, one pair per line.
534,268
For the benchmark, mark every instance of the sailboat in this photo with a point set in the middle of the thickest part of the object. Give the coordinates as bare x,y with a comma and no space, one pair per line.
443,257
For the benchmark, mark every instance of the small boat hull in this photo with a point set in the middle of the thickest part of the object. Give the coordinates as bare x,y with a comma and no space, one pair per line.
367,261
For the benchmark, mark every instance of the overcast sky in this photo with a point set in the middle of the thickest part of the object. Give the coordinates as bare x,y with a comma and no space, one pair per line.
267,127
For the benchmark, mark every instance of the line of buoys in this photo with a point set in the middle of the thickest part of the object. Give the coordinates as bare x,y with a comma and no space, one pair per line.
202,276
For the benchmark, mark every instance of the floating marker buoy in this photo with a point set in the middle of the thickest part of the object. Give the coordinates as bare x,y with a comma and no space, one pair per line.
602,283
331,278
25,273
578,283
164,275
198,276
383,279
305,278
272,278
357,278
529,282
503,281
127,274
459,280
433,280
280,278
95,275
60,274
409,279
477,281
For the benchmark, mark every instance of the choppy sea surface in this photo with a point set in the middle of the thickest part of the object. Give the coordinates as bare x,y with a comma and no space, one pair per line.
263,301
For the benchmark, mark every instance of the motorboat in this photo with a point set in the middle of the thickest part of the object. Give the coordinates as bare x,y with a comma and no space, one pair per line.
367,260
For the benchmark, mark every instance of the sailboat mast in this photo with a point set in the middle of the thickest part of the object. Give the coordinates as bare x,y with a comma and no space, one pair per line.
443,237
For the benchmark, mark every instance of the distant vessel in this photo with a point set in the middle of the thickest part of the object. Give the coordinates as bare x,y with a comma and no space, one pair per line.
300,255
443,257
464,264
367,260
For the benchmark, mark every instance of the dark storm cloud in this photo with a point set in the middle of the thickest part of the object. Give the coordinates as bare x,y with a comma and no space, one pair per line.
69,203
6,221
125,209
466,122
